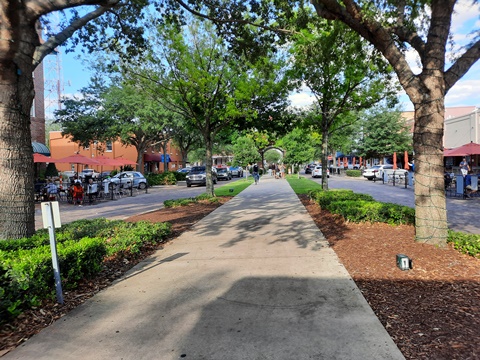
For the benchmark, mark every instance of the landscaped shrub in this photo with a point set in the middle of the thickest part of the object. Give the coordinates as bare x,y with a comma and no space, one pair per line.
373,211
324,198
165,178
353,173
466,243
362,207
26,275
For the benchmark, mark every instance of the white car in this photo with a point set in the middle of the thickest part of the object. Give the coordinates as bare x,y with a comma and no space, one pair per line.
89,172
376,171
317,171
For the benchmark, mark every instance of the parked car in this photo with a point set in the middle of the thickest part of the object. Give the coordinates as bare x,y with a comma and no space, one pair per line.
309,168
224,174
89,173
129,177
236,171
376,171
105,174
68,174
184,170
317,171
198,176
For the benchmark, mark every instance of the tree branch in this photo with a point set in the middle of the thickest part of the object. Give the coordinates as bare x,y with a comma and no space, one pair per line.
461,66
238,21
37,8
49,46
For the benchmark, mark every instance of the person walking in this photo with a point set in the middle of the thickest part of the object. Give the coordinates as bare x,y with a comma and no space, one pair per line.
256,175
464,167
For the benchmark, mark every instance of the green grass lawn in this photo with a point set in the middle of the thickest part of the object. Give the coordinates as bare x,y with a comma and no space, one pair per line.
237,186
302,185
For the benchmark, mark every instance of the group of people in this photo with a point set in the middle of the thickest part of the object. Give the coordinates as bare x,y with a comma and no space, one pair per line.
277,171
75,192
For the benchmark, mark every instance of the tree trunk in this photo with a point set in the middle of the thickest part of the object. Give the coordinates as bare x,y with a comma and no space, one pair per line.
324,158
430,204
165,163
208,163
17,208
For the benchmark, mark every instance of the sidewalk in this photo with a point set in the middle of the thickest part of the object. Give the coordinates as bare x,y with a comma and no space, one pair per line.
255,279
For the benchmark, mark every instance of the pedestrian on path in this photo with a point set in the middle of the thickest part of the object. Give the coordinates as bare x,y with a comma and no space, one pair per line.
256,175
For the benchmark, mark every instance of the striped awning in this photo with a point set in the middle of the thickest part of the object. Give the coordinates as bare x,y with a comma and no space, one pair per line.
40,148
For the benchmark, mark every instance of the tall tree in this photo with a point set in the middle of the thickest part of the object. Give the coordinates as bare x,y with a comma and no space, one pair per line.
342,73
21,51
137,120
193,74
396,29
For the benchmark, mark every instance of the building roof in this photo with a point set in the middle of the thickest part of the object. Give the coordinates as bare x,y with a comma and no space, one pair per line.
451,112
40,148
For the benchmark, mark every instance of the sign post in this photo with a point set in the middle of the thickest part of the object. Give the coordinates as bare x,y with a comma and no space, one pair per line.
51,220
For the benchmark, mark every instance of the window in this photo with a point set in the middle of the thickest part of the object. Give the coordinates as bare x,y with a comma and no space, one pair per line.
109,146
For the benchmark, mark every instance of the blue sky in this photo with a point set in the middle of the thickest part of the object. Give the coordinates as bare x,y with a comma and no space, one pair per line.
465,92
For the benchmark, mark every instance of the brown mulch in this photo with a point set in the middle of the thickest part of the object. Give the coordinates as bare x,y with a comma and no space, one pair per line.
431,311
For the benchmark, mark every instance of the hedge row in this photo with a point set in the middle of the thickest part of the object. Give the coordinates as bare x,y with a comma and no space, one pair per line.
362,207
165,178
354,173
26,275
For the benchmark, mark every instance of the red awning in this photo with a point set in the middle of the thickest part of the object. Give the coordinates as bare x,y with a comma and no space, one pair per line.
152,157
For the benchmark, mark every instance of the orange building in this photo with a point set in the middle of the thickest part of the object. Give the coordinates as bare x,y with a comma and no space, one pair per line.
152,159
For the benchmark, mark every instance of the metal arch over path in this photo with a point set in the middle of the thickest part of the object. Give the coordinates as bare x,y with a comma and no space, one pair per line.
271,147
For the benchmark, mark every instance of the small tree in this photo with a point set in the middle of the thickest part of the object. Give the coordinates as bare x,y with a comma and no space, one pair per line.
245,152
383,132
299,146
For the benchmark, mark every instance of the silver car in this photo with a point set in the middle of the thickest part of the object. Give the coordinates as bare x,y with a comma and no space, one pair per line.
128,177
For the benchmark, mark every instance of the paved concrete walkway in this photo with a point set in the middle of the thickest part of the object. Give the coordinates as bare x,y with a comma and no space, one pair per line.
253,280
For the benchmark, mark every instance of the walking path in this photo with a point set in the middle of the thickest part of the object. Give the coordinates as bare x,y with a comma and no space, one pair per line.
255,279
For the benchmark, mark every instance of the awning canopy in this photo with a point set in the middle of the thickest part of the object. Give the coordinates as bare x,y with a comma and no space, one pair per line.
155,158
39,148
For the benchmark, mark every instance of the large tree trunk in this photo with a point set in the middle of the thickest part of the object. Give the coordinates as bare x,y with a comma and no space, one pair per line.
208,163
17,208
430,204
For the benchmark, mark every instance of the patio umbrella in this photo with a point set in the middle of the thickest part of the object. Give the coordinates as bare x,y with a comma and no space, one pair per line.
405,160
78,159
104,160
40,158
125,161
394,161
468,149
360,162
345,162
353,161
338,162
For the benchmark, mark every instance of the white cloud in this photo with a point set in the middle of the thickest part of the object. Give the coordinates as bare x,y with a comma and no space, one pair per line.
465,14
301,99
465,92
